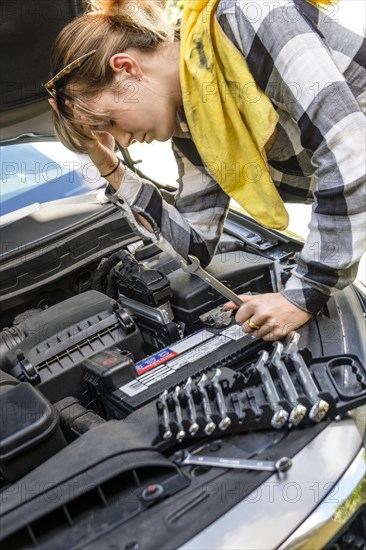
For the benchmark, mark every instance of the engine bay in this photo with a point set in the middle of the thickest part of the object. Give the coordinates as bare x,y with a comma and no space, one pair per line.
145,362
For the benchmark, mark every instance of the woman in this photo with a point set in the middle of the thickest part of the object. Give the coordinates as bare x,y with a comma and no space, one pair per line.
130,80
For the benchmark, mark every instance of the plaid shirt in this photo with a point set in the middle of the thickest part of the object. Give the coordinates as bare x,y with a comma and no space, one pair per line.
313,70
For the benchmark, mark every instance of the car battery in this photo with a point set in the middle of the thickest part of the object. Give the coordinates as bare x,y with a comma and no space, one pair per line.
241,272
204,349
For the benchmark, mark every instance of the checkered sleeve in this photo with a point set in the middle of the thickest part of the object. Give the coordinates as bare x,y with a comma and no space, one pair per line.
188,222
293,65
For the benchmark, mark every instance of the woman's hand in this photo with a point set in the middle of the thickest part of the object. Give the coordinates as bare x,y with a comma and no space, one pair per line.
100,147
273,314
101,153
100,150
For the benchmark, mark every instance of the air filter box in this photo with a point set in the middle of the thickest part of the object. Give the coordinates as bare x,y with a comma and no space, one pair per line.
57,340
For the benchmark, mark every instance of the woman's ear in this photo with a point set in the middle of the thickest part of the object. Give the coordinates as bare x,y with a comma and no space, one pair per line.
123,63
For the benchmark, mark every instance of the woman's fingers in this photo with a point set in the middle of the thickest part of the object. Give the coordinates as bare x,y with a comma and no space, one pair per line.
106,139
268,316
99,145
245,298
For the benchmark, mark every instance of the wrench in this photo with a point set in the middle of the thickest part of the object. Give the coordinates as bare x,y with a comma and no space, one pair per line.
225,420
320,407
167,434
280,415
210,426
194,267
194,427
298,412
280,466
178,412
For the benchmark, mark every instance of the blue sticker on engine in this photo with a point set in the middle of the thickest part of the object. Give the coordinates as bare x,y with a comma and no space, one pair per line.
155,360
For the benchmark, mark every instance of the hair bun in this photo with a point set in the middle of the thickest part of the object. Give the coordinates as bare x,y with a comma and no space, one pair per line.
118,8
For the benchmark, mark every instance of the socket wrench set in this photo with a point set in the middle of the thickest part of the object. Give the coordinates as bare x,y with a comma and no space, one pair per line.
286,387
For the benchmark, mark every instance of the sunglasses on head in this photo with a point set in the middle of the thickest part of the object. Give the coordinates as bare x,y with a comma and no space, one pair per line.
76,64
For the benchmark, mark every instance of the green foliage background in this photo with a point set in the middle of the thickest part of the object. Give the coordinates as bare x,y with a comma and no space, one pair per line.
175,7
177,4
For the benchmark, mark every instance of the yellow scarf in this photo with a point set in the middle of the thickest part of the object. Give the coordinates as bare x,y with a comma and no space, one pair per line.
230,118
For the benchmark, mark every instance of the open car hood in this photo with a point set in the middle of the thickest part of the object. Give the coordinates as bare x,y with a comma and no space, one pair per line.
99,329
108,358
28,30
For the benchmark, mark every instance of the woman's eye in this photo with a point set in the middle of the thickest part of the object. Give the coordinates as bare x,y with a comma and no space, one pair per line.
111,122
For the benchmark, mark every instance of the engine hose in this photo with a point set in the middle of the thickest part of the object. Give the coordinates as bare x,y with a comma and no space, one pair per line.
10,338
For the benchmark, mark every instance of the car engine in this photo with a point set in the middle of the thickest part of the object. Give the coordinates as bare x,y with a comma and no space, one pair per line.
147,361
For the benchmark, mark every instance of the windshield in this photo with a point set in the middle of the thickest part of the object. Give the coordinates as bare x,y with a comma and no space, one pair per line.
42,172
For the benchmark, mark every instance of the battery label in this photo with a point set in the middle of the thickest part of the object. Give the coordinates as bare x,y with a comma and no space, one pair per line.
194,354
176,349
235,332
155,360
162,364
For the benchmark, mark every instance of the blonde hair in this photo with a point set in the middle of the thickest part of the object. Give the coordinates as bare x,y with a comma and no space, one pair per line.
109,27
